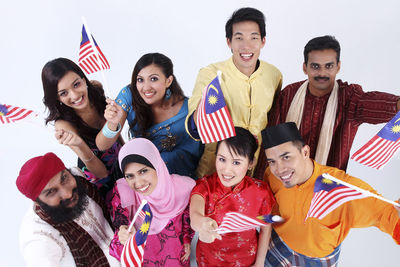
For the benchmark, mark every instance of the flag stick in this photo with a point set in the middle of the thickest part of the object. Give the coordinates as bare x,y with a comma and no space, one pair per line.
365,192
144,202
96,52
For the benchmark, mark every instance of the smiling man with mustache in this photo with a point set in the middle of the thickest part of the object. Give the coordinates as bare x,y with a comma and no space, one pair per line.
68,224
328,111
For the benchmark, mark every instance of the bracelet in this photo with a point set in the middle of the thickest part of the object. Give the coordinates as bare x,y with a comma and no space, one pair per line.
110,133
86,160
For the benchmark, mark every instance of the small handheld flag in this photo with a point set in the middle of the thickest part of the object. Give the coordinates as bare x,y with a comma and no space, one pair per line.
330,193
132,253
237,222
382,147
91,59
9,114
214,123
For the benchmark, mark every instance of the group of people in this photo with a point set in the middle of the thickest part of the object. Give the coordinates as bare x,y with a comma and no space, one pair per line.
284,138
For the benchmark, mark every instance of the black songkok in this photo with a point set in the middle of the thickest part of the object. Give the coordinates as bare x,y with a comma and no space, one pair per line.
279,134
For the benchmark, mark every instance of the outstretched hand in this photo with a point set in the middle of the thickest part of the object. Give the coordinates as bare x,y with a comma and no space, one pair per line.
68,138
113,112
207,232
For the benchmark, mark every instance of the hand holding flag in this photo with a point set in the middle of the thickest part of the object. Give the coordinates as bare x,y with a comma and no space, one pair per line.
382,147
132,253
214,123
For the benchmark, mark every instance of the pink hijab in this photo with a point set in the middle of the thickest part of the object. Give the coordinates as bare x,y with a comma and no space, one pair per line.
171,195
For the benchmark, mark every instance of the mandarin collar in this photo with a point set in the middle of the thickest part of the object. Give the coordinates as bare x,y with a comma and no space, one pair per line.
242,76
235,189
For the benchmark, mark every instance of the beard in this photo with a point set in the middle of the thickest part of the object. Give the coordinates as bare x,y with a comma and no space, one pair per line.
63,213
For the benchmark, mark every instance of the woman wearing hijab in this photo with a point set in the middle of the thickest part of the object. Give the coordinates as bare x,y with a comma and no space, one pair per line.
146,177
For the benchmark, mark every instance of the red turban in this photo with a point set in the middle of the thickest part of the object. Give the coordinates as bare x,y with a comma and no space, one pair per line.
36,173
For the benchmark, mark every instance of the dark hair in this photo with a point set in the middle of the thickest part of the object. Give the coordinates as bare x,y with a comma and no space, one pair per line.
243,144
245,14
52,73
144,117
135,158
322,43
299,144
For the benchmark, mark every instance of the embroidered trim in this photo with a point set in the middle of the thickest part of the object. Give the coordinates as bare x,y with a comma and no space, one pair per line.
58,242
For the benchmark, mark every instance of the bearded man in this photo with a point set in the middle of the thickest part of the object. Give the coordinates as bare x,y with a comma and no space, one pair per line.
68,224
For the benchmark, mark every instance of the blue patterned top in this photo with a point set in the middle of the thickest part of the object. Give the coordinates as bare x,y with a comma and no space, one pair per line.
179,151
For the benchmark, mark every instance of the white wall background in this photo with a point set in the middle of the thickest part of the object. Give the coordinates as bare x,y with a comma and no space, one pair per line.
191,33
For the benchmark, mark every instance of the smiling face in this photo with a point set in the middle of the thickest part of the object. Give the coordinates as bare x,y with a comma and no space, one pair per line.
246,44
321,69
289,164
231,168
61,190
151,84
141,178
72,91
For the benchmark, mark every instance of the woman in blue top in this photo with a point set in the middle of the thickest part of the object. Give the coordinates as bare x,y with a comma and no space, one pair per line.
156,108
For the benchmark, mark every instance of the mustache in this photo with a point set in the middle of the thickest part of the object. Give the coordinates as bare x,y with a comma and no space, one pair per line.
67,202
318,78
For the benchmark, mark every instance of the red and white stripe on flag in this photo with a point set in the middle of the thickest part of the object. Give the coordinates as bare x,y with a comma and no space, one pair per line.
132,254
377,152
15,114
216,126
325,202
91,62
237,222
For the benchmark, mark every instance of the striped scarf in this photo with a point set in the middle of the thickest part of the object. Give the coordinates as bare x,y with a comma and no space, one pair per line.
280,255
295,114
83,248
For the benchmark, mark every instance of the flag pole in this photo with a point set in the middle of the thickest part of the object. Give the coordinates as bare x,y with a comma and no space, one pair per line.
96,52
363,191
144,202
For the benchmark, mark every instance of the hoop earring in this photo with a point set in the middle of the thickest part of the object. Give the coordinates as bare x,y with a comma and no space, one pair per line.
168,94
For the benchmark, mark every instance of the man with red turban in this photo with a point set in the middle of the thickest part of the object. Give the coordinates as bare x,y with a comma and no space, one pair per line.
68,224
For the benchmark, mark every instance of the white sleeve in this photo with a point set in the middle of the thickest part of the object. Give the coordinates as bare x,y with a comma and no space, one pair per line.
43,250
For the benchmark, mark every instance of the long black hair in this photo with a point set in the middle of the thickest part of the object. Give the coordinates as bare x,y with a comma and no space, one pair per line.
52,73
144,117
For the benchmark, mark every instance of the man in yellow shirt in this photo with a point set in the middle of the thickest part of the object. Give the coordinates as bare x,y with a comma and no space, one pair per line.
291,175
248,84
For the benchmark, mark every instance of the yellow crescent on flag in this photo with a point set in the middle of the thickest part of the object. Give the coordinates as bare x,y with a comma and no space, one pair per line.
213,87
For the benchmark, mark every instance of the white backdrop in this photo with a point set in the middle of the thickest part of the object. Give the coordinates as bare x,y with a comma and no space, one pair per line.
192,34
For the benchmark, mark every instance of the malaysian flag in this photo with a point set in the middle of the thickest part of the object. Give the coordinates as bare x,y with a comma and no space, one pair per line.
237,222
214,123
90,60
132,253
328,195
382,147
9,114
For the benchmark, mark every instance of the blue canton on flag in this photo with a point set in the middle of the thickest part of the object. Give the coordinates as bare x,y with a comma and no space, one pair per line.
214,122
382,147
10,114
215,98
328,195
132,254
90,60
